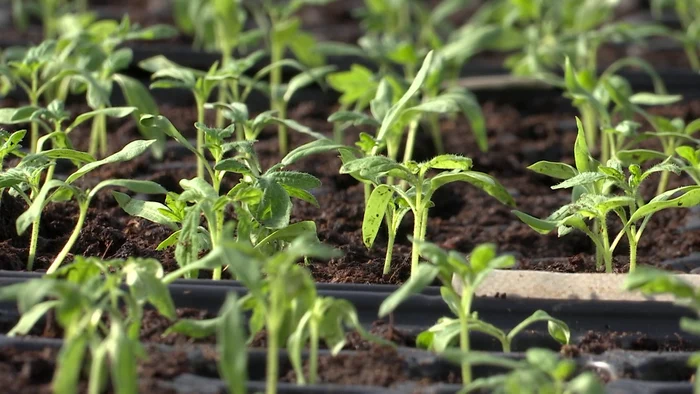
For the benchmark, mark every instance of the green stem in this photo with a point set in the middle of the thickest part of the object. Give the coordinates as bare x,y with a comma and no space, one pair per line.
631,238
435,132
272,359
98,136
200,137
313,355
389,251
33,243
607,253
73,238
276,53
589,125
410,140
464,333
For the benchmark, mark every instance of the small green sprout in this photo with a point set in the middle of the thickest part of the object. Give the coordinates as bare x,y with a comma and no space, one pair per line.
691,166
100,318
49,11
10,145
541,371
393,200
593,199
448,266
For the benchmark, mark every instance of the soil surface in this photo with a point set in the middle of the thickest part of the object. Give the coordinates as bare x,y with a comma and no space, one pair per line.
31,371
521,131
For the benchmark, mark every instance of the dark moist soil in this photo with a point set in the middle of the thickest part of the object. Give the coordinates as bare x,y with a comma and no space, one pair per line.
29,372
521,131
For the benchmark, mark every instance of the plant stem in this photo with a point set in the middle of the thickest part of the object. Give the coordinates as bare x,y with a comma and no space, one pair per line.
417,225
632,240
464,332
276,53
73,238
272,346
98,136
589,126
33,243
389,251
410,140
435,131
34,101
607,253
200,136
313,351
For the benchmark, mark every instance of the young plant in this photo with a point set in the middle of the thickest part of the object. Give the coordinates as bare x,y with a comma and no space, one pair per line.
169,75
387,197
593,199
651,281
99,305
37,70
282,31
101,58
261,199
460,279
280,293
58,190
541,371
10,145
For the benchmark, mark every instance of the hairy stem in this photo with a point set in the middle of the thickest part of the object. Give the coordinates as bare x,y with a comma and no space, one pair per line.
71,241
33,243
607,253
410,140
434,120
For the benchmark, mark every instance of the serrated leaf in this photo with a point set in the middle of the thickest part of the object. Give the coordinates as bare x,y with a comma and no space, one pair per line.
581,179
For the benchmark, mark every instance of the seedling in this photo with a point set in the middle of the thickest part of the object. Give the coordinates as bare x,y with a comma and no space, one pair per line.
262,199
37,71
541,371
280,293
10,145
651,281
593,200
28,174
100,60
418,198
101,319
449,267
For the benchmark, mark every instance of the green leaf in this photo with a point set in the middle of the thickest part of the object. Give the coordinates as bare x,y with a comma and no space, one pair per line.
354,118
69,364
275,207
143,276
113,112
639,156
122,360
554,170
30,317
690,197
374,213
299,180
304,79
652,281
582,179
558,329
581,152
654,99
450,162
542,226
149,210
193,328
136,95
423,277
34,211
482,181
395,111
69,154
289,233
231,345
146,187
130,151
312,148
